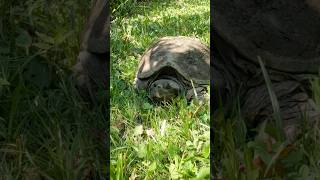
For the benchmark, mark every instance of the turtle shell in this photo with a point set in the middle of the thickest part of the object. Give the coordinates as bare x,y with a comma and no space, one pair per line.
285,34
187,55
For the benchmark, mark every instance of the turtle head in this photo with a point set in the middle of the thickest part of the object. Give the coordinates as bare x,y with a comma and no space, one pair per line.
164,89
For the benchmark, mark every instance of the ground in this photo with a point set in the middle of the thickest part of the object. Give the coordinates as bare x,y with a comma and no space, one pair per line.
149,141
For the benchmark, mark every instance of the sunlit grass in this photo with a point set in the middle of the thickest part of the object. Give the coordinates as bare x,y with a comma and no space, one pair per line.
147,140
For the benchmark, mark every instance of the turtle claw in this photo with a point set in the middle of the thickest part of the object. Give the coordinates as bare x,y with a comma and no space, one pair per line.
291,133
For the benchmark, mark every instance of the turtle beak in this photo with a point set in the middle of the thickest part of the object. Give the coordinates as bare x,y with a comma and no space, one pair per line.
157,95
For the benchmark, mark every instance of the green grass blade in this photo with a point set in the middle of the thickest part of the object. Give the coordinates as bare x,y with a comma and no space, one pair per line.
274,101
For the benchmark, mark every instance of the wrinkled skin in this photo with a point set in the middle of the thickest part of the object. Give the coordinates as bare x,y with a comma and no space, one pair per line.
285,34
91,69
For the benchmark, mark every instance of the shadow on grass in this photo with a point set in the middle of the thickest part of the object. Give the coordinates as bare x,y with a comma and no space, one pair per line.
46,130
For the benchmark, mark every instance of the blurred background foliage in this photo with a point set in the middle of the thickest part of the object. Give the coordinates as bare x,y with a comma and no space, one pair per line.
46,130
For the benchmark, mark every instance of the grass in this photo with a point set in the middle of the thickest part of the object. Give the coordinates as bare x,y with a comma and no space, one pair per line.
150,141
46,130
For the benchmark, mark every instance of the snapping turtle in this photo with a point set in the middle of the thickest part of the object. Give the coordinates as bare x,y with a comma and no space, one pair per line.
91,69
174,66
285,35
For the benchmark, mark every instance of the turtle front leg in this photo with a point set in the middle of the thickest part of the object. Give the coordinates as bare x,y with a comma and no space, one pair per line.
199,93
295,111
294,104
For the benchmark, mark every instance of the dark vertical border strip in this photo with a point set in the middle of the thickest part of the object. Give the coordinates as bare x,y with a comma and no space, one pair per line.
212,173
108,91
